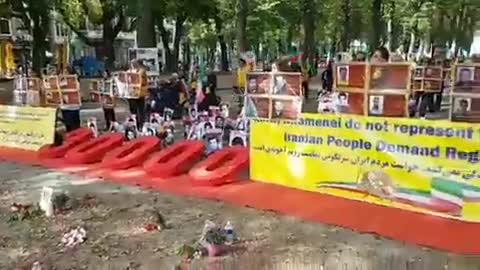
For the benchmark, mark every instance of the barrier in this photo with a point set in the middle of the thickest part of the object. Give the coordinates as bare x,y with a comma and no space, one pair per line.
94,150
131,154
218,168
72,139
174,160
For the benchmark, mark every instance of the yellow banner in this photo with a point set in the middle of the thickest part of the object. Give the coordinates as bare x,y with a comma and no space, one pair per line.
26,127
420,165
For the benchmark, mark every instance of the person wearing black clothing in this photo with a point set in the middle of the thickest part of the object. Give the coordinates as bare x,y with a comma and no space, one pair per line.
327,78
108,113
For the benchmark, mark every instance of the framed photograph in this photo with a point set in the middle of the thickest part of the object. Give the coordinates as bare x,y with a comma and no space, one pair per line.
465,74
418,73
219,122
92,125
390,76
53,97
69,82
213,142
258,83
225,110
462,106
433,73
257,107
286,108
238,137
375,106
343,75
108,101
33,98
131,133
96,97
287,84
71,97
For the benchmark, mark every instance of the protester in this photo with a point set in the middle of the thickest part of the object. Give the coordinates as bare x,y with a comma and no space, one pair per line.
137,105
381,55
327,77
109,113
70,114
242,71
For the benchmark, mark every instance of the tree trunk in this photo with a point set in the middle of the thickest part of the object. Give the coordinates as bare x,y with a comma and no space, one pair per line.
165,37
108,48
39,46
309,29
377,24
242,25
179,27
223,44
347,21
146,37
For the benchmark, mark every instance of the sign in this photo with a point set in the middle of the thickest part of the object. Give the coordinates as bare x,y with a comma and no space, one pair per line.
273,95
148,57
418,165
465,94
26,127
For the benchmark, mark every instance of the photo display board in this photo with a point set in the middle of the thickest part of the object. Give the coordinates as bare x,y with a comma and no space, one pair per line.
102,92
51,88
388,89
70,90
276,95
349,85
465,94
427,79
372,89
128,84
27,91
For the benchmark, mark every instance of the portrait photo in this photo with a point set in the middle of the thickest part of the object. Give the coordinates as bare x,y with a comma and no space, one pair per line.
462,106
286,108
465,74
343,75
375,106
130,133
418,73
287,84
238,138
257,107
92,125
433,73
258,83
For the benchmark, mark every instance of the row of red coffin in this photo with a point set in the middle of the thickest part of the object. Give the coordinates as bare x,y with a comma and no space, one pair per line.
110,150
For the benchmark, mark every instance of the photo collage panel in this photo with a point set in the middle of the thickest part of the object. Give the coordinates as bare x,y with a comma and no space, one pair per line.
275,95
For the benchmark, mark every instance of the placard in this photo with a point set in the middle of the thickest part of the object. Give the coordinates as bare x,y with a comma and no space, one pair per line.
148,57
26,127
128,84
273,95
465,94
51,88
427,79
410,164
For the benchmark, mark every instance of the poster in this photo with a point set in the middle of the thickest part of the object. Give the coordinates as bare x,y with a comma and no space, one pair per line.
417,165
148,57
27,128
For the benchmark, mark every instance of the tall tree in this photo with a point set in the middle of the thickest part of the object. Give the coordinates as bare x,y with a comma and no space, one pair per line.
242,25
34,15
110,14
146,36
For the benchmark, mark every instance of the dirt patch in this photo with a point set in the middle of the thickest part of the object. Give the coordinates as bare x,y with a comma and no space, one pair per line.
114,217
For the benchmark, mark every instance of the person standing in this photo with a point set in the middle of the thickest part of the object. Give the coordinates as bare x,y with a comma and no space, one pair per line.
108,110
70,112
137,104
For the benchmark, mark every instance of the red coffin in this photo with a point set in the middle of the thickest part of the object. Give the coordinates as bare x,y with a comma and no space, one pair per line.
72,139
131,154
94,150
174,160
220,167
